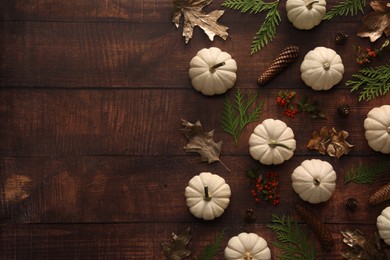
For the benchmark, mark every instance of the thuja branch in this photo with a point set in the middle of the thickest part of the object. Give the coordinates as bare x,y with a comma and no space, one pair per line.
347,7
363,174
267,30
293,242
371,82
238,113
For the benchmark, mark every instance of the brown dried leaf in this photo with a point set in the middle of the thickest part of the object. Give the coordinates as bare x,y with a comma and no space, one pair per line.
362,248
377,22
201,142
176,249
330,142
194,16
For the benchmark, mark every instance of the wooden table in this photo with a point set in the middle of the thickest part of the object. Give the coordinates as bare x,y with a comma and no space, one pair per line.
92,162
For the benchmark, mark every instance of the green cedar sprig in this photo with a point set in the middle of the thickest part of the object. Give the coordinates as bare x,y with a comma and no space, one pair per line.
211,250
372,82
237,114
364,174
267,30
293,242
347,7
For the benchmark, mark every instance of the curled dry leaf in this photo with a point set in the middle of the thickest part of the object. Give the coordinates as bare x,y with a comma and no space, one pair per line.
194,16
329,141
362,248
176,248
201,142
377,22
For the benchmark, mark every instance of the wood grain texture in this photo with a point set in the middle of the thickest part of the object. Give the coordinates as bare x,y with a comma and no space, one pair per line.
92,94
130,241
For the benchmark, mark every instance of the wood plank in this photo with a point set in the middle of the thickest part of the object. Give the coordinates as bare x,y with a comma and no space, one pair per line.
130,55
151,189
135,241
141,122
117,10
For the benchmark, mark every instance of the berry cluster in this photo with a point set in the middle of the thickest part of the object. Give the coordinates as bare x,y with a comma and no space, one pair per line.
285,99
366,56
267,189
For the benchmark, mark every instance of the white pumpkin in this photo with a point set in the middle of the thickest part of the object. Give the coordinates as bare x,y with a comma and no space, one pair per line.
314,181
377,125
212,71
383,225
207,195
272,142
305,14
247,246
322,68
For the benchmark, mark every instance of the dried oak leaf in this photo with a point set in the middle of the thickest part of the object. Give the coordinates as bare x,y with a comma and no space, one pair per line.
330,142
201,142
176,249
194,16
377,22
362,248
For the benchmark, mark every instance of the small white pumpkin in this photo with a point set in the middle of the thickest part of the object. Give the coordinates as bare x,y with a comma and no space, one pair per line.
212,71
272,142
247,246
383,225
377,125
207,195
314,181
305,14
322,68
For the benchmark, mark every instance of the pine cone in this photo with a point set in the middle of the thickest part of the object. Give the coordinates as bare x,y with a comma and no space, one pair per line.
286,57
340,38
319,228
343,109
381,195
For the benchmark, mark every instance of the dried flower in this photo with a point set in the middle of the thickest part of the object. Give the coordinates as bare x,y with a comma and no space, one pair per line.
264,188
331,142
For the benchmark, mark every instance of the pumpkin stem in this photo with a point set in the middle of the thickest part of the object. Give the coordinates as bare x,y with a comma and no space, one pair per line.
215,66
326,66
206,193
248,256
310,4
388,129
273,144
316,181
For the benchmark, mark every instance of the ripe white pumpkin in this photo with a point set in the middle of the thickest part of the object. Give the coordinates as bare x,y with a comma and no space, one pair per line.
314,181
383,225
377,125
272,142
207,195
305,14
322,68
247,246
212,71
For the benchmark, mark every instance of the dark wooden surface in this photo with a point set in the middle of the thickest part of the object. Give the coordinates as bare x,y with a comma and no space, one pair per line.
91,101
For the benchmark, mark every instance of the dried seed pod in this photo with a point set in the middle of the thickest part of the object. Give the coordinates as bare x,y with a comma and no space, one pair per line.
319,228
340,38
343,109
381,195
250,215
351,204
286,57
